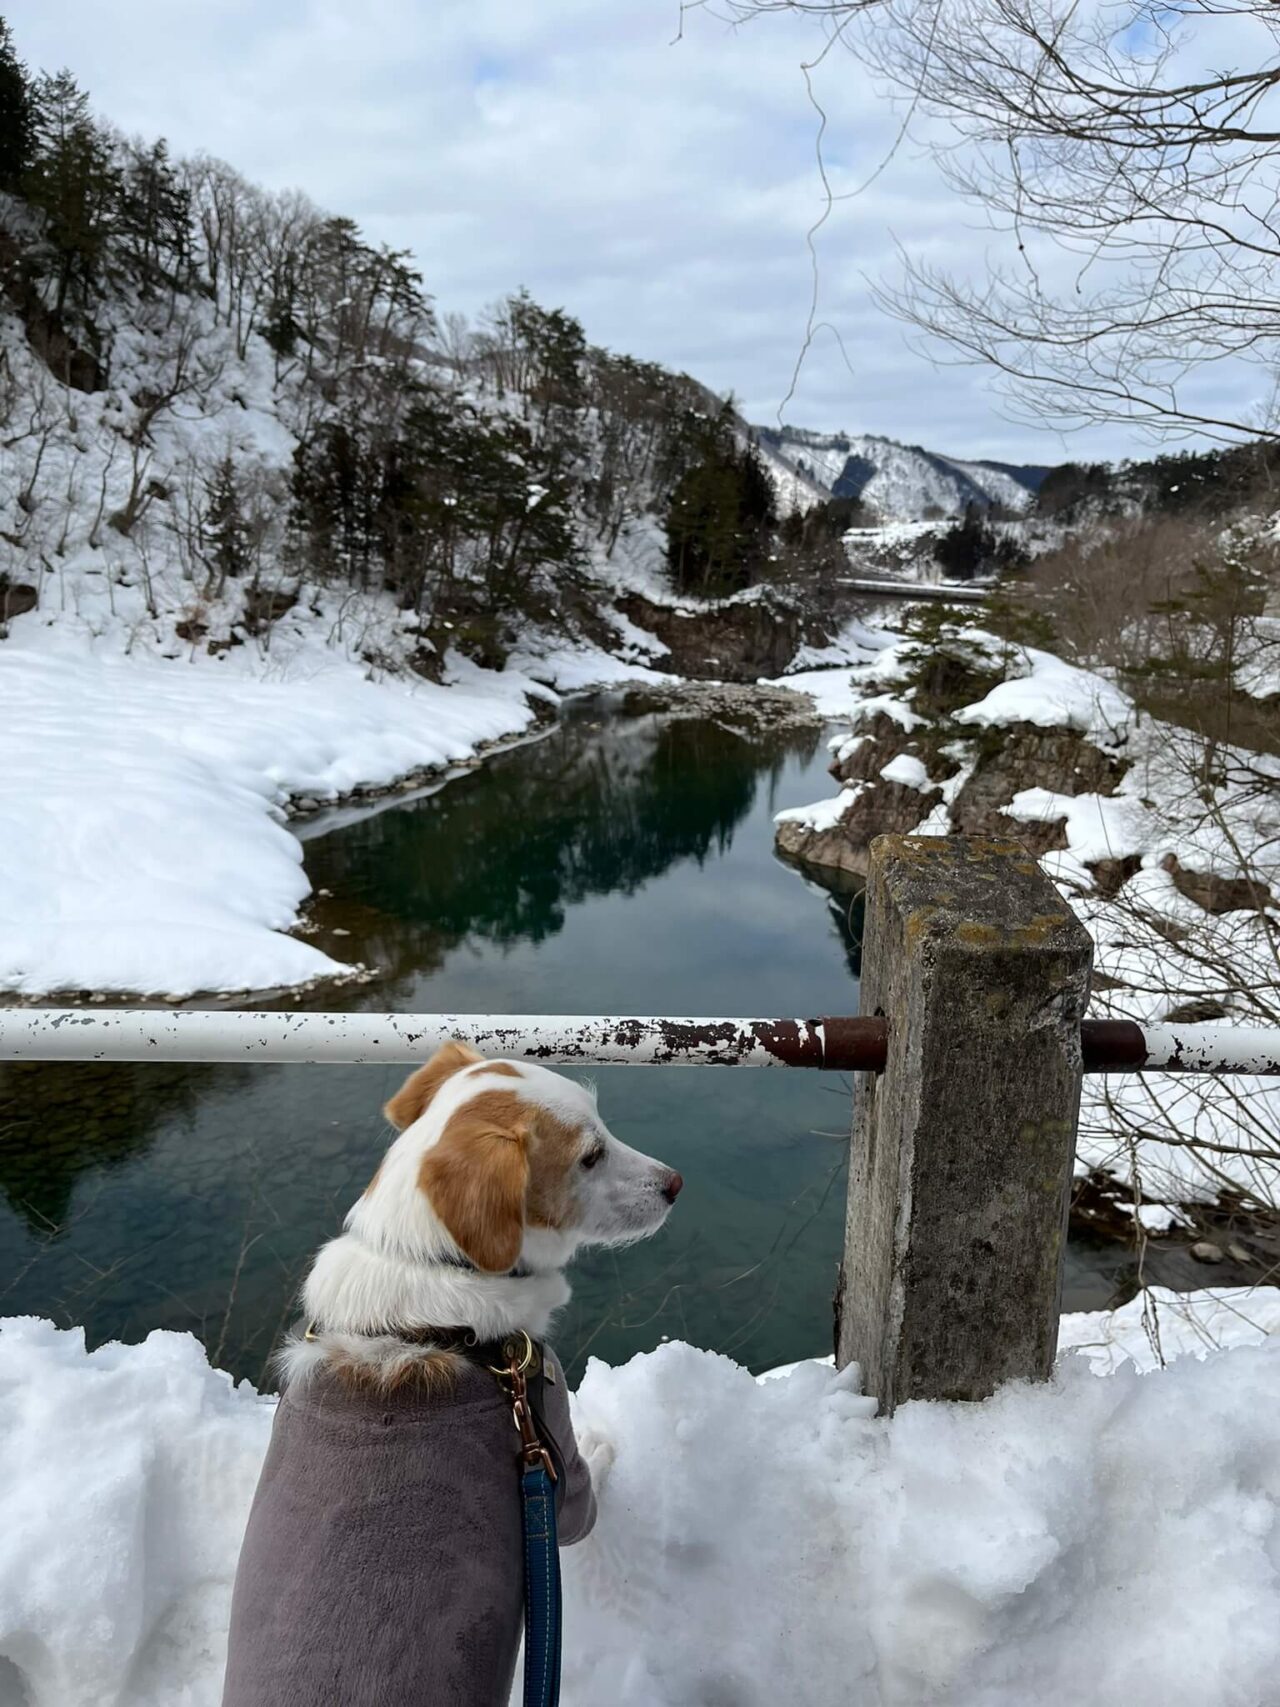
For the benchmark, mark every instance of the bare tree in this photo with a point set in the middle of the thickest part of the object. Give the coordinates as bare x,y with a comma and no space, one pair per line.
1137,191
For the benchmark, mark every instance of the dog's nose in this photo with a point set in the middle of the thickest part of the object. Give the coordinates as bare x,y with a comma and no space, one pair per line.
671,1190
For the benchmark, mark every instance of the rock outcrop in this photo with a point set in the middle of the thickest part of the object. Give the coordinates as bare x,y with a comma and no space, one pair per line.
1001,762
737,640
16,599
878,808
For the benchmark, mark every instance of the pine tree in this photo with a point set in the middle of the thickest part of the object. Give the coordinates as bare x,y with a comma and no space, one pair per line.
154,217
223,530
73,180
966,549
17,129
720,515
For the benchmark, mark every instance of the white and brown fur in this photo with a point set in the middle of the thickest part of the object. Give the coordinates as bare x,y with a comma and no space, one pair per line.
502,1165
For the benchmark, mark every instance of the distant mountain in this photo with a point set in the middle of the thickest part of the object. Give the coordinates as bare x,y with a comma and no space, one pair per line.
900,482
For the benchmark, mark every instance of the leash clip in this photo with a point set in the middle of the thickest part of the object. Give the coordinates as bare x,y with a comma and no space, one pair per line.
532,1451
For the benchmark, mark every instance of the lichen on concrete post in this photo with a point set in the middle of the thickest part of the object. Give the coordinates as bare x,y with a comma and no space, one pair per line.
961,1159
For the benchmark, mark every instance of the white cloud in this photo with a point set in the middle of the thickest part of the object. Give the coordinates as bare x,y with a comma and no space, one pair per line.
659,190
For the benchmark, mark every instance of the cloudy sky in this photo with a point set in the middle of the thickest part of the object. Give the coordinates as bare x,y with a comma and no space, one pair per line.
660,189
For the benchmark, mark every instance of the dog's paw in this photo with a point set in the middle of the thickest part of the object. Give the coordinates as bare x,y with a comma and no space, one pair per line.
598,1453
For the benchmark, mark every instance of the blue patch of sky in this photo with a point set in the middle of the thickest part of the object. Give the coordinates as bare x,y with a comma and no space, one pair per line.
490,68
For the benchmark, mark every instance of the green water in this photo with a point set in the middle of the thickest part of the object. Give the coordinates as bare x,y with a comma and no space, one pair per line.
619,865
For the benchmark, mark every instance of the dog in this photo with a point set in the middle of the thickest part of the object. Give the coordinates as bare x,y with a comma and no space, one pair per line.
382,1564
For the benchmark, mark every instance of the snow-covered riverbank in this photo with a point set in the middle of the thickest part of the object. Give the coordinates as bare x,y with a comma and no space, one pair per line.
143,797
1114,1538
142,842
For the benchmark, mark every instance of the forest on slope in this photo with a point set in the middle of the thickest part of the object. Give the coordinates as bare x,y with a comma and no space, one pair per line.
220,395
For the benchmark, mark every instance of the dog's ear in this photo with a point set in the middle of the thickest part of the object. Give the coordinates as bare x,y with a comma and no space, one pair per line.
410,1101
476,1176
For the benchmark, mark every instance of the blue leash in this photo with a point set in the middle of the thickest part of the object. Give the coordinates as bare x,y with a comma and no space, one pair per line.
541,1545
541,1589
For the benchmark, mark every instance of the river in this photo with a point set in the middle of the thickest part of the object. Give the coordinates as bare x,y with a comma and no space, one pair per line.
618,865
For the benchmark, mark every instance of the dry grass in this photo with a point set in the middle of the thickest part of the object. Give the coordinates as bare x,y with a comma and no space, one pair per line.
1171,608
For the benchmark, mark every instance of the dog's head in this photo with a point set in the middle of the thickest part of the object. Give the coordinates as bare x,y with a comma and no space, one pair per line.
512,1161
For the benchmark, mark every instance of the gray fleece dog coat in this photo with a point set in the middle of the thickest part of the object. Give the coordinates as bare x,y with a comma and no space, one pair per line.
383,1563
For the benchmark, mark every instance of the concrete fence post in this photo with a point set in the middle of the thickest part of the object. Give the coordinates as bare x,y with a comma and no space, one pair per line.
961,1159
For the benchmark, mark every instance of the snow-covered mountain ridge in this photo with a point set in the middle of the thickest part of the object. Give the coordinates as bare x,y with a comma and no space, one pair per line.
899,482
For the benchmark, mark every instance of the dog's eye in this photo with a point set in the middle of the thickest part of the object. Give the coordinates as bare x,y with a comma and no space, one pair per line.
593,1156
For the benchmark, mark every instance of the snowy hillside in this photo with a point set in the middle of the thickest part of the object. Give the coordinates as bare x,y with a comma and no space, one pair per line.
900,482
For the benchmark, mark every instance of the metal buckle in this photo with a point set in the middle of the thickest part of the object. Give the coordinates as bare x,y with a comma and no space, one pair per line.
510,1347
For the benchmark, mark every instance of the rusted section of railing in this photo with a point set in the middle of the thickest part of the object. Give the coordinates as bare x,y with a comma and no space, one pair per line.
836,1043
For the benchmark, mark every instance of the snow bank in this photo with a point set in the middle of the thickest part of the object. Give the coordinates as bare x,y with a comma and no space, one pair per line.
1055,695
1114,1539
1160,1324
126,1479
856,643
142,846
906,770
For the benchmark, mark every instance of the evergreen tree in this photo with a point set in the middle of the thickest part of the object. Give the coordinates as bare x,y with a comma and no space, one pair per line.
337,484
966,549
1067,489
17,128
224,532
154,217
556,349
73,180
973,547
720,515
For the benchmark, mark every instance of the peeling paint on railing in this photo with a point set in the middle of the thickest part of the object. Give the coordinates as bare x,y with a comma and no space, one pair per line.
837,1043
190,1034
1121,1046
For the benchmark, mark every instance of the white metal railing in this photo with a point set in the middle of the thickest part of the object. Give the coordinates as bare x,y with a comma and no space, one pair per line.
194,1034
837,1042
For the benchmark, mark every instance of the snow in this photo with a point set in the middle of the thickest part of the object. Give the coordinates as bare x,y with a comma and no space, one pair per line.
1144,1125
907,770
1109,1537
890,534
1157,1326
1258,672
1155,948
838,694
142,847
843,747
823,815
127,1477
1098,826
936,823
1159,1217
1053,694
574,667
638,562
856,643
1160,1324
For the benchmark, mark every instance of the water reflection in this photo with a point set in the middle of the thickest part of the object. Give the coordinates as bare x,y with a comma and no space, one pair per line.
618,865
597,808
55,1123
